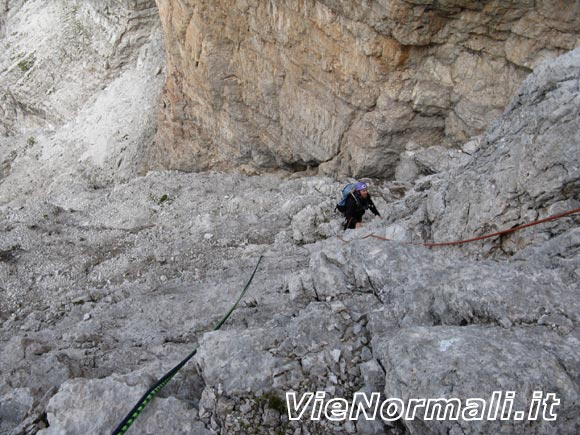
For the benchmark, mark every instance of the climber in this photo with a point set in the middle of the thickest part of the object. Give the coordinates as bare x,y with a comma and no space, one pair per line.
356,203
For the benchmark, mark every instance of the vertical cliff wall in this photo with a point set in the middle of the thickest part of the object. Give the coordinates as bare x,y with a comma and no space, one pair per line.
343,86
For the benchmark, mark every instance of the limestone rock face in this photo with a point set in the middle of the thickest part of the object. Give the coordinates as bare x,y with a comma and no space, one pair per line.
527,168
454,327
94,405
105,286
79,88
469,362
57,54
342,86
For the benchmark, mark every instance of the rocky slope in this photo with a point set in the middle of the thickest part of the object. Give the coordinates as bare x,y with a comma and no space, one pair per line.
107,289
108,279
79,85
524,168
343,87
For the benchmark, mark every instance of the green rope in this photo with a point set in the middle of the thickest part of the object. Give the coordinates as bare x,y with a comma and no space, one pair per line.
152,392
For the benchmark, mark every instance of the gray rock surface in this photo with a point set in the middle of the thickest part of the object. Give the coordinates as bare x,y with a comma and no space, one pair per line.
475,361
343,86
107,279
79,87
134,283
527,167
84,405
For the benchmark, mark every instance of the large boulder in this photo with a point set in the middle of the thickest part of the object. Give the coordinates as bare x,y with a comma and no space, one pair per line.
99,405
474,362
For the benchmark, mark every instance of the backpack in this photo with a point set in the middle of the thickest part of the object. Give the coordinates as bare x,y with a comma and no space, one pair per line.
347,190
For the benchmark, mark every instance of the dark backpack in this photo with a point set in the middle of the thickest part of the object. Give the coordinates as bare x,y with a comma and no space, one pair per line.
347,190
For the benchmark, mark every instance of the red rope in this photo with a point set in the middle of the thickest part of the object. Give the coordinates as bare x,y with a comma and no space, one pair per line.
486,236
501,233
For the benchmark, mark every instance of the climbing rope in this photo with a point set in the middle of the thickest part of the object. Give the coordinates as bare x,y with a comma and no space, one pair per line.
152,392
486,236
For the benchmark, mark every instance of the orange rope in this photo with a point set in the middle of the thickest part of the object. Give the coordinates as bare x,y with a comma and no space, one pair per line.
511,230
486,236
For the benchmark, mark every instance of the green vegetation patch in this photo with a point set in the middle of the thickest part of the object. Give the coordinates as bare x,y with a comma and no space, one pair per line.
26,64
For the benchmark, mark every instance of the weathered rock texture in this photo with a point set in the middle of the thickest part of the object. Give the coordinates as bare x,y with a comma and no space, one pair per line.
106,286
79,84
526,168
343,86
48,46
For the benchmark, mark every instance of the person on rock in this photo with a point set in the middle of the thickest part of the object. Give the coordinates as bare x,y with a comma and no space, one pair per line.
357,202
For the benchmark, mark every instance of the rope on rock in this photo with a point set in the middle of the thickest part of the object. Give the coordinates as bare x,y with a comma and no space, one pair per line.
510,230
152,392
486,236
